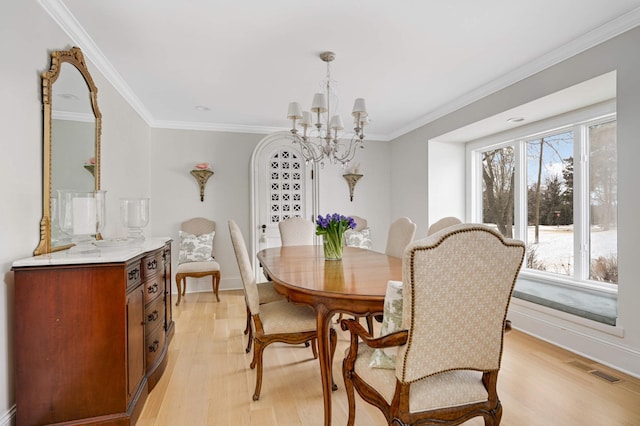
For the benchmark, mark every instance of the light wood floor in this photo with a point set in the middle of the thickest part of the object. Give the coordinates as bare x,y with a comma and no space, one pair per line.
208,380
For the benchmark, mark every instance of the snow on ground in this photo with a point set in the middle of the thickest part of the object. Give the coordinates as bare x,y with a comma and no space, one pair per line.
555,246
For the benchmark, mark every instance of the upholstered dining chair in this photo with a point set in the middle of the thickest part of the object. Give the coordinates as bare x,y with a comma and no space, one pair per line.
443,223
456,288
360,236
266,294
361,223
296,231
401,233
195,257
279,321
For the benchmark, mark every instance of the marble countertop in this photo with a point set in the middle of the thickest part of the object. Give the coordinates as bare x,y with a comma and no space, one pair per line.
115,252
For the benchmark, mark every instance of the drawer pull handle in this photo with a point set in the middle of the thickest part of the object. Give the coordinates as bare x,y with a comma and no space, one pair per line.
152,265
134,274
154,347
152,316
153,288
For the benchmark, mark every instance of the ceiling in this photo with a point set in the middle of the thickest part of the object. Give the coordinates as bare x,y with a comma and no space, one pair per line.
244,61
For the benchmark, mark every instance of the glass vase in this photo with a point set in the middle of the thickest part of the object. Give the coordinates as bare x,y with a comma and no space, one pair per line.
332,243
134,215
81,216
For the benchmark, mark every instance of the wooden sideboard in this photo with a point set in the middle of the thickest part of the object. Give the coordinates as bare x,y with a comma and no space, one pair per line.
91,334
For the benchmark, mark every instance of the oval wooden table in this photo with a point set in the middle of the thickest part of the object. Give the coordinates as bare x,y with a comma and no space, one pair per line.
354,285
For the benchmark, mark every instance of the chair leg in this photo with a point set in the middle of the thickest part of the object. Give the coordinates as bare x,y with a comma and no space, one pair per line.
348,387
248,330
248,326
178,279
314,348
370,323
215,284
258,348
333,340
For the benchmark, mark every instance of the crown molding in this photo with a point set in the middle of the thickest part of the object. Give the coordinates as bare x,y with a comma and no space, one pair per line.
70,25
231,128
593,38
213,127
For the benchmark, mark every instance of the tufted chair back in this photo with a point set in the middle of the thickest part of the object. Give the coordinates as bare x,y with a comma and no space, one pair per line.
296,231
246,270
401,233
443,223
457,287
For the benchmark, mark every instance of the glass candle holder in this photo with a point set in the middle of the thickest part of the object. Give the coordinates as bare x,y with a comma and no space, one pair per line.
81,215
134,215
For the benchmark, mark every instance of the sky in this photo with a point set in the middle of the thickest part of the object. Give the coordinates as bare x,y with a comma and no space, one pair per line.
557,148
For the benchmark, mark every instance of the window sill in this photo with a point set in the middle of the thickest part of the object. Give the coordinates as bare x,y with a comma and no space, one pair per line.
600,307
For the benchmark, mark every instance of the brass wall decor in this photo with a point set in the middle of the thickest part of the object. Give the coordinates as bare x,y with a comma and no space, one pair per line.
72,100
202,176
352,179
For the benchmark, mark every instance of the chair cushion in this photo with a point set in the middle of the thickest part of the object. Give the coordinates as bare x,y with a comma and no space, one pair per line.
362,238
195,248
191,267
391,322
285,317
448,389
267,293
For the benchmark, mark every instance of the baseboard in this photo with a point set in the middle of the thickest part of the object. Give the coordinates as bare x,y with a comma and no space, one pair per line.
9,418
589,339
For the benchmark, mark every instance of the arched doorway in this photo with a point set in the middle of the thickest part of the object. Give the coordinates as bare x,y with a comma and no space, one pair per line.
282,186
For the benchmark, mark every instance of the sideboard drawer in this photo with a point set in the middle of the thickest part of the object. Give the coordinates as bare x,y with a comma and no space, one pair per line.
134,274
155,345
151,265
154,315
153,288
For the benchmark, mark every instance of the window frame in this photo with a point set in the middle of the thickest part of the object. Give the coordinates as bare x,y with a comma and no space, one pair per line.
577,121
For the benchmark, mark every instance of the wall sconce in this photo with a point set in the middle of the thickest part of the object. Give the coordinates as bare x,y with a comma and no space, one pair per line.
202,173
352,179
90,166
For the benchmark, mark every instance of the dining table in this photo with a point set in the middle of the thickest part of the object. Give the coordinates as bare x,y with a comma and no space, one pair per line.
355,284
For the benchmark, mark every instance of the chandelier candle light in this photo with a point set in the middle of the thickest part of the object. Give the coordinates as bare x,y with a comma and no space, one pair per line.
324,141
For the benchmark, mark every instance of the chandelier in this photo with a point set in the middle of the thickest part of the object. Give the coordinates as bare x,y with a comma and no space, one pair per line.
322,140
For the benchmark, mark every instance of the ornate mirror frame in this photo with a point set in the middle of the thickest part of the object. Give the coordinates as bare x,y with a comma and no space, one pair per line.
75,58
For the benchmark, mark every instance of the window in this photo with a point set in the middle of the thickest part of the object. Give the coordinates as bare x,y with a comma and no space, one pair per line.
555,189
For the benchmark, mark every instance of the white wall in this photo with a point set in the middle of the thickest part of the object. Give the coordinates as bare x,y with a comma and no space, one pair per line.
371,194
27,36
446,176
619,347
409,180
175,194
24,57
139,161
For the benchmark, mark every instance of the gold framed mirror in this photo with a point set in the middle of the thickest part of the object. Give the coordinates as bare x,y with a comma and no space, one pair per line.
71,139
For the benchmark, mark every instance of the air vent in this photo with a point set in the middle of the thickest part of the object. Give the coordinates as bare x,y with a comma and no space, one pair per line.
608,377
591,370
